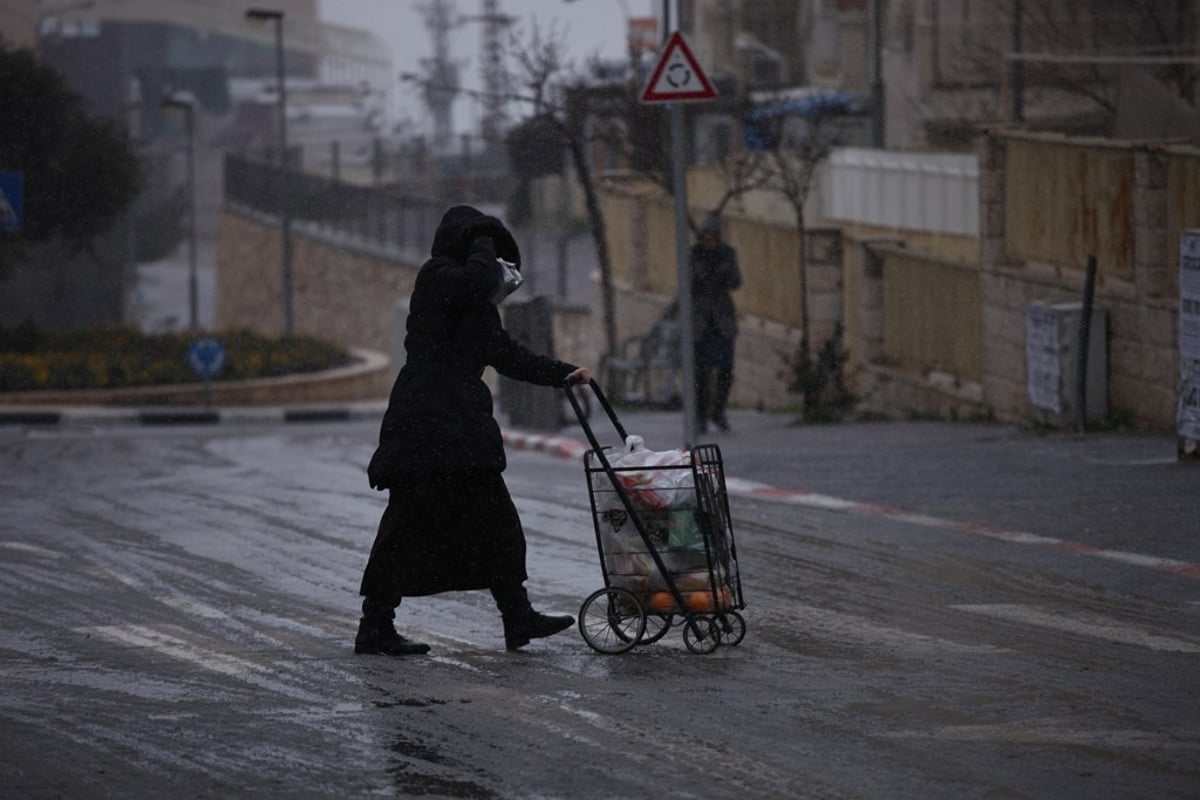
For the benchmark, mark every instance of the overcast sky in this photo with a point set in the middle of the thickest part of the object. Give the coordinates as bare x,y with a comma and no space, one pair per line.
589,27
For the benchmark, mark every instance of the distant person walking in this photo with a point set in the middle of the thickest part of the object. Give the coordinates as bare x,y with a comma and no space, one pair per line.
450,524
715,273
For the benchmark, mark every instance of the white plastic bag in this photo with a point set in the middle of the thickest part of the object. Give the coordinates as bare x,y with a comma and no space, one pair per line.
666,484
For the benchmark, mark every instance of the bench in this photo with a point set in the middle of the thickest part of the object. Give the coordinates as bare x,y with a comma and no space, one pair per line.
646,369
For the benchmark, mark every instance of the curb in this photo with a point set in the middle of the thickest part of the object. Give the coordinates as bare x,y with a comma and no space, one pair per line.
100,416
560,446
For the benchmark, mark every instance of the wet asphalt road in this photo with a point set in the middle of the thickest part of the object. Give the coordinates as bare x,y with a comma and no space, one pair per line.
179,606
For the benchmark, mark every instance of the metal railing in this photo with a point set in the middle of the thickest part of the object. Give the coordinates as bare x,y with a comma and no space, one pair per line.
375,215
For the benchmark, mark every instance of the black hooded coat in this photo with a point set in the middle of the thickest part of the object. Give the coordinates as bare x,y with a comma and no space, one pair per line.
450,523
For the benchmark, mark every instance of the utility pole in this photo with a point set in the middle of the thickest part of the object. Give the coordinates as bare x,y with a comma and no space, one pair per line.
285,209
187,105
1018,67
878,129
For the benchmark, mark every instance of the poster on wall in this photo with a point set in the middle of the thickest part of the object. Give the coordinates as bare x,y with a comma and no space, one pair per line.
1188,416
1042,358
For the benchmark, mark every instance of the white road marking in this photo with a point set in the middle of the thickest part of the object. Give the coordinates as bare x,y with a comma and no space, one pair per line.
1094,627
267,677
190,607
1056,734
32,549
146,637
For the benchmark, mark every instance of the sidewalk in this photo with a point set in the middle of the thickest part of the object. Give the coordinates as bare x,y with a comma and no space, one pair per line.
1121,497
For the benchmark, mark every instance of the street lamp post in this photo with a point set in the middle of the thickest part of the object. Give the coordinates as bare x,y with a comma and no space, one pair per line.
187,104
285,217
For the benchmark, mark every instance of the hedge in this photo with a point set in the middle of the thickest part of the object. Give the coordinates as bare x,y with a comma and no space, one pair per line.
114,357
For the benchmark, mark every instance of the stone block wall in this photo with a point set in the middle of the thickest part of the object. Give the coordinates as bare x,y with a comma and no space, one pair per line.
1142,311
342,291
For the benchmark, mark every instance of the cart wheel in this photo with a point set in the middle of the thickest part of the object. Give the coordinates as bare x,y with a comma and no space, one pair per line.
701,634
733,627
657,626
612,620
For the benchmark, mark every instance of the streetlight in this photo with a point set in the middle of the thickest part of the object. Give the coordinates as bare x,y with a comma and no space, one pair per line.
185,102
285,217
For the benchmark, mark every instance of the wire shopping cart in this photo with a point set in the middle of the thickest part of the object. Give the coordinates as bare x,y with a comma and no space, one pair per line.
665,541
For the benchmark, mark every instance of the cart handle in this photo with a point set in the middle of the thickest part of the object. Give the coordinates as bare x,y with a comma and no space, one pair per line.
583,423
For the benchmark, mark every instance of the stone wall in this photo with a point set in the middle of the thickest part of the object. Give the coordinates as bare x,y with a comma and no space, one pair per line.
343,290
1133,271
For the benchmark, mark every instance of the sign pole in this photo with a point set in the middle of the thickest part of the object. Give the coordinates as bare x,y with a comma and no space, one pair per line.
687,340
676,79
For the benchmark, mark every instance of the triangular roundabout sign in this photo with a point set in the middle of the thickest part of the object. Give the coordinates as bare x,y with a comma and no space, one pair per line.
677,76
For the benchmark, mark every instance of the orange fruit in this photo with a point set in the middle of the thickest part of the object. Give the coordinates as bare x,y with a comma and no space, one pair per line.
704,601
661,603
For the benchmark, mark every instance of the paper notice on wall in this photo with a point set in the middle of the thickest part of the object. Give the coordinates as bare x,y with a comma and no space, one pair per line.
1189,295
1188,414
1042,358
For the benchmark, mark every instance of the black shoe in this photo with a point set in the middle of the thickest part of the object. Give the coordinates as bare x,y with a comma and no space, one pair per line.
722,424
382,640
518,632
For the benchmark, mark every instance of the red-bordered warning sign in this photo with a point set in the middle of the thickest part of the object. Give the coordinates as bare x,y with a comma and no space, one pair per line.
677,76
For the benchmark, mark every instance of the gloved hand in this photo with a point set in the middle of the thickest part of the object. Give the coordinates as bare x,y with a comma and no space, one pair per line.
502,239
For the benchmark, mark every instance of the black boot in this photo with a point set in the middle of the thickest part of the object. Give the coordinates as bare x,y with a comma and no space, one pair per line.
521,622
377,635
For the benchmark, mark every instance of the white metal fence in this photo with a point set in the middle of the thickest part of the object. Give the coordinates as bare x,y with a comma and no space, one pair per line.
935,192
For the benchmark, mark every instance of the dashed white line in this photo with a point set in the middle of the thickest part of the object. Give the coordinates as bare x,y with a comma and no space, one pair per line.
1096,628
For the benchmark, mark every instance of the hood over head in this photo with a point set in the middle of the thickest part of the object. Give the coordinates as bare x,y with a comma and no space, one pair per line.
448,240
710,224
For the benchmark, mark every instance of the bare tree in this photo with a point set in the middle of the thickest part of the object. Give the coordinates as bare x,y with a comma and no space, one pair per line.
795,137
545,82
1065,62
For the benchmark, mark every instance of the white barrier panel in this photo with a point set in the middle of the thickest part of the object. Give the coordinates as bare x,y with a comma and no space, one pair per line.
935,192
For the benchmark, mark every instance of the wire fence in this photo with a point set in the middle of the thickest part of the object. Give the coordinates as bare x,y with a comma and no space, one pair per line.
374,215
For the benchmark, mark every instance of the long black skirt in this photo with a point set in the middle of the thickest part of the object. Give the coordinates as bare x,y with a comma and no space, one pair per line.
446,533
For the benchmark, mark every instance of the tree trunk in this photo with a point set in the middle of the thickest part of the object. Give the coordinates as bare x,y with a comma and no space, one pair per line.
802,234
600,237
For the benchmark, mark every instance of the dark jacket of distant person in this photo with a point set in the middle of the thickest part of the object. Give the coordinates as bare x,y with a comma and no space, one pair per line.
715,273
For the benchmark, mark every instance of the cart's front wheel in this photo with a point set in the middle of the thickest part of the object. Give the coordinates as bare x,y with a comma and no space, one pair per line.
733,627
612,620
701,634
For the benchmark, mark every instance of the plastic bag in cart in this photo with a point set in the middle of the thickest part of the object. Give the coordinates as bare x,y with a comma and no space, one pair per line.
653,488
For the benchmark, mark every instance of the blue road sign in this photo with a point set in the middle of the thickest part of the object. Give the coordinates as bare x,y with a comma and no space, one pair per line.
12,200
206,356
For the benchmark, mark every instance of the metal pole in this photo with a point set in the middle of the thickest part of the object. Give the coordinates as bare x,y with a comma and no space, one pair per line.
189,118
1018,67
878,130
188,107
687,344
285,211
1085,330
687,347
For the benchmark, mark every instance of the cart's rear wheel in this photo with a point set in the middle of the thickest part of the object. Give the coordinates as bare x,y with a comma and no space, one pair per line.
657,626
733,627
701,634
612,620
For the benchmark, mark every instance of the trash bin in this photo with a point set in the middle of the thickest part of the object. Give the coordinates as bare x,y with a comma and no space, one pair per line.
528,406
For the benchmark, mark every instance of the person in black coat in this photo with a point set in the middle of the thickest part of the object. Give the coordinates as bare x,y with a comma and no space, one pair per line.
450,523
715,273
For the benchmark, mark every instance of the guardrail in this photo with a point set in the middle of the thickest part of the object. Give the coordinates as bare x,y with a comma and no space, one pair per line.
377,215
